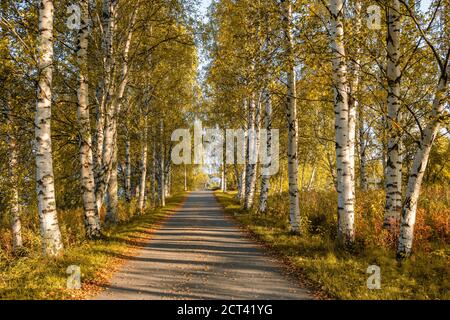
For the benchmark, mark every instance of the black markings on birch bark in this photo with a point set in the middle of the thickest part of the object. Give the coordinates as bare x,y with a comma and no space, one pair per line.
409,210
345,178
394,160
13,178
91,215
291,116
265,179
45,185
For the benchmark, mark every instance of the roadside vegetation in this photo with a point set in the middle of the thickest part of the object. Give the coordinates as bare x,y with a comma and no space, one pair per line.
32,276
342,274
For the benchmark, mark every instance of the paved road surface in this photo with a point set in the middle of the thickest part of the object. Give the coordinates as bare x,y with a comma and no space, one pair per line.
198,253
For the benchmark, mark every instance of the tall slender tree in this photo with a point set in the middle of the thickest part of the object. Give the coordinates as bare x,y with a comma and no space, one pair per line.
345,178
91,216
291,116
265,178
394,159
45,183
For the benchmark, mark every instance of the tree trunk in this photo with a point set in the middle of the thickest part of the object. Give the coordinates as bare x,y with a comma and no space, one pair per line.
291,116
169,176
353,93
265,179
143,181
223,180
105,113
185,178
13,163
253,146
311,179
162,182
238,179
16,224
345,179
250,148
280,184
45,184
99,138
419,166
91,216
153,177
112,199
242,177
362,153
394,160
127,167
113,110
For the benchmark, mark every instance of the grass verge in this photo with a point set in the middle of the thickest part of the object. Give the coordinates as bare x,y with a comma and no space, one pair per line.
39,278
341,274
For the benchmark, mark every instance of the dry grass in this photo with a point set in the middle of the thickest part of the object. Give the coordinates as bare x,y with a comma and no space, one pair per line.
343,275
30,276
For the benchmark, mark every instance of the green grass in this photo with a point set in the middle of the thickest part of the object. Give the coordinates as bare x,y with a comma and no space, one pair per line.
34,277
342,275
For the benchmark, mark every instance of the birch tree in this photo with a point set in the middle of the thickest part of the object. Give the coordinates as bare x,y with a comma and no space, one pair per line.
252,153
127,166
291,116
345,178
45,185
420,162
394,161
143,163
13,172
105,113
91,215
162,178
265,179
441,53
113,110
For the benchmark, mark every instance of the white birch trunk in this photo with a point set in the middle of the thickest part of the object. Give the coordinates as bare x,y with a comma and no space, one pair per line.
291,116
242,177
353,94
311,179
113,110
143,177
249,149
185,178
162,180
168,177
362,153
91,216
223,181
105,113
394,161
45,184
13,167
265,179
99,138
154,172
253,145
419,166
16,224
112,199
345,179
13,163
128,168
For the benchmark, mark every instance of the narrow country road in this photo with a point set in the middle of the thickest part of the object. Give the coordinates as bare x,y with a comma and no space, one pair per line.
199,253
